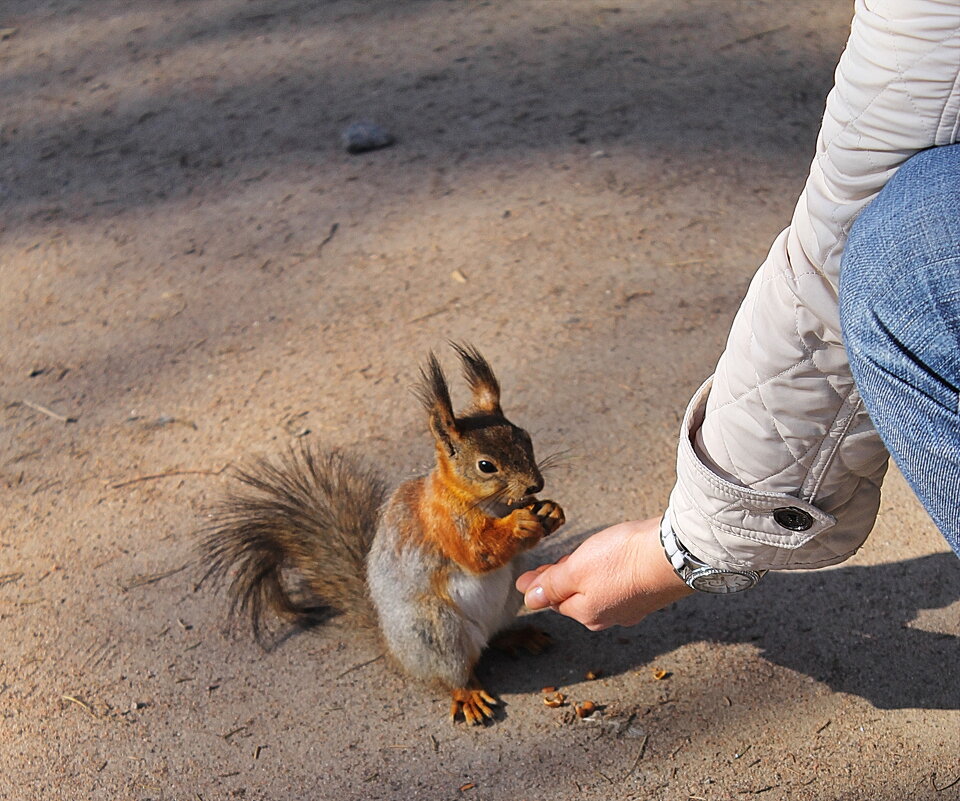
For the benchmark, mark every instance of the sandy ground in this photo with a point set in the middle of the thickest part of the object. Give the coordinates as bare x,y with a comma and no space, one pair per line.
193,270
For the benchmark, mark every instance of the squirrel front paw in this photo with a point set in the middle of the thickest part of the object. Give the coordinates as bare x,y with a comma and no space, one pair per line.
537,520
527,527
549,514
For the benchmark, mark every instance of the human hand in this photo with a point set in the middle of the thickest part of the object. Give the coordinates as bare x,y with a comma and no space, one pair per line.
615,578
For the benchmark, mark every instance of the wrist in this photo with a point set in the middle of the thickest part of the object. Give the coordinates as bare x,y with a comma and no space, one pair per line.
697,574
661,580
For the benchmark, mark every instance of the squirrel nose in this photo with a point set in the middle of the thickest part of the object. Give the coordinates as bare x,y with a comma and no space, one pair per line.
534,488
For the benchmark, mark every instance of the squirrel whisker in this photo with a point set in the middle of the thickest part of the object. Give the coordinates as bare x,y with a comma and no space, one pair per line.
556,459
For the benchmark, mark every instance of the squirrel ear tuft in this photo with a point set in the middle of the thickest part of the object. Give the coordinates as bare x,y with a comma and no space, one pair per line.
483,383
435,397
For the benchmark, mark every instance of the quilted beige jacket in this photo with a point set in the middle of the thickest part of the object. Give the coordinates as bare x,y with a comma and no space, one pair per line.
780,424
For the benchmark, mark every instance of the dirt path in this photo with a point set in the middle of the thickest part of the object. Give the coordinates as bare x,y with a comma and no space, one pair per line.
192,270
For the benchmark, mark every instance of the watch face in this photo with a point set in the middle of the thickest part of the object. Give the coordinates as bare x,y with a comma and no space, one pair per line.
716,581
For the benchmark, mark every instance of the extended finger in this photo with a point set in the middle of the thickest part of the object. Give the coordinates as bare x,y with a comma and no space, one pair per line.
551,587
524,580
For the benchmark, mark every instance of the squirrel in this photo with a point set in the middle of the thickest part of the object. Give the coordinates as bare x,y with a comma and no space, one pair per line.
430,568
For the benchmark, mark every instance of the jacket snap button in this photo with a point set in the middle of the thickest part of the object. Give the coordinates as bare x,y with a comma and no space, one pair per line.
792,518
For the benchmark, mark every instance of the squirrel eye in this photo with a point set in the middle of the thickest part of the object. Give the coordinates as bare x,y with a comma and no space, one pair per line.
486,467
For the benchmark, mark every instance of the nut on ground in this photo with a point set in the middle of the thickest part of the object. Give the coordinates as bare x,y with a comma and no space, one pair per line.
585,709
554,699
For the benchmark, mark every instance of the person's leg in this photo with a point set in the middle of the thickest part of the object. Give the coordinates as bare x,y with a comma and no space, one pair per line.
900,311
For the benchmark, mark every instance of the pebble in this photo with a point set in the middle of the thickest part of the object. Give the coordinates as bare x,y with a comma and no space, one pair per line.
359,137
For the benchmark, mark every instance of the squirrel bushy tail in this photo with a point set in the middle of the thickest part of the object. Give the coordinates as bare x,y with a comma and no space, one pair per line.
312,513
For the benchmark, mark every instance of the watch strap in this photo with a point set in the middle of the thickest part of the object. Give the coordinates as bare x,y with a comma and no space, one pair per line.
696,573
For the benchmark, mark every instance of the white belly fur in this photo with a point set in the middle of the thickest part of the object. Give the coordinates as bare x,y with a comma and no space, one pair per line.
482,600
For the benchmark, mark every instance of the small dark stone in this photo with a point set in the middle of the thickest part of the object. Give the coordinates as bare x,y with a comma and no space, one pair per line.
359,137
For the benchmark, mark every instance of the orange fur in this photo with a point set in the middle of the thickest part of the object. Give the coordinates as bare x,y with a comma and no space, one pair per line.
451,520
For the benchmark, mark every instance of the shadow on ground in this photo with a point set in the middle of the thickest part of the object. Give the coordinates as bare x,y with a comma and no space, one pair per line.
849,628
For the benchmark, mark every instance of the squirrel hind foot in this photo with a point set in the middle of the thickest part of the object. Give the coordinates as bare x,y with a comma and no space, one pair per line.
531,639
473,704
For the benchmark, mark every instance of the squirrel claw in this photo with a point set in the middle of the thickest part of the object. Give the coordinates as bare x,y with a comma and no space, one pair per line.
473,704
549,514
537,520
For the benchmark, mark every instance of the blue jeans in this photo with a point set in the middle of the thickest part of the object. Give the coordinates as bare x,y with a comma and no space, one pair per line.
900,311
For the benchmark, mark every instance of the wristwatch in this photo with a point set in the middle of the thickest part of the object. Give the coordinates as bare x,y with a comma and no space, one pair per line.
699,575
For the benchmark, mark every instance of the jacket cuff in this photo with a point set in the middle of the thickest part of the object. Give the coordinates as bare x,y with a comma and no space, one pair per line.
733,527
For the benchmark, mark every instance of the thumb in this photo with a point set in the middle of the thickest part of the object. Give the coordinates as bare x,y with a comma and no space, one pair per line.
551,587
525,580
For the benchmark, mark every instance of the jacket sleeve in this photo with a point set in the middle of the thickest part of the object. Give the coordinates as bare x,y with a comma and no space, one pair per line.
779,465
